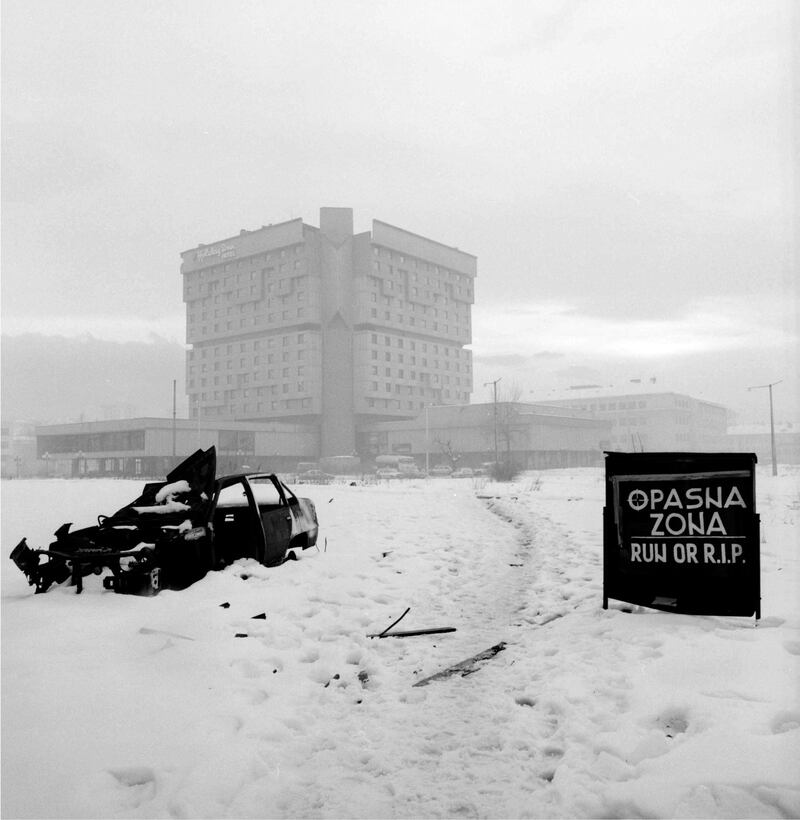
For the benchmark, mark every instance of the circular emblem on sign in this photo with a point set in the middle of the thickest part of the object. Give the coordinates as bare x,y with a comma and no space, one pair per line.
637,499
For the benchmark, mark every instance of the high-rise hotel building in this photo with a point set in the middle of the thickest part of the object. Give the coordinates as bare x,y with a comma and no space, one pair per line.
322,327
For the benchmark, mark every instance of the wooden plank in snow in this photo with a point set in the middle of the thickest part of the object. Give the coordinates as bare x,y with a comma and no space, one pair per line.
466,667
411,632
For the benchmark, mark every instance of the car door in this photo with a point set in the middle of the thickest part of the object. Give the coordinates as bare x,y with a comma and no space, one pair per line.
276,517
239,531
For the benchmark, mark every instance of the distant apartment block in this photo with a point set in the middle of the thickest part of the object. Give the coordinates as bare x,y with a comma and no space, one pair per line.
322,327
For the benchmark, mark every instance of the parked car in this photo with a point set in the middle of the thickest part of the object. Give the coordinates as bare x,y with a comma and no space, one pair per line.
462,472
314,477
178,530
441,470
387,472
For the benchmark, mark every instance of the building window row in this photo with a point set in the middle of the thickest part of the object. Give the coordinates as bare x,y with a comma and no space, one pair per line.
416,266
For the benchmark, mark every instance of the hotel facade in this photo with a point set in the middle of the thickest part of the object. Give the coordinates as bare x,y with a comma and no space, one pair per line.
326,328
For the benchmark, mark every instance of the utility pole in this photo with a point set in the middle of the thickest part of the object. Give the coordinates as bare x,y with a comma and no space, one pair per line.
496,451
427,445
771,421
174,416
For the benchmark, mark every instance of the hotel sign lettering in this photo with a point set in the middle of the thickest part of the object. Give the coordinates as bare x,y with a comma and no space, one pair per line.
681,532
222,251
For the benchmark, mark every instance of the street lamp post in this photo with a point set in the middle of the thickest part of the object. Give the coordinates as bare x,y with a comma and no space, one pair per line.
771,421
427,444
174,418
496,451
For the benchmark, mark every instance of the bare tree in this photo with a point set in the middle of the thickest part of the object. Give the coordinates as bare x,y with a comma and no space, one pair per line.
446,448
505,422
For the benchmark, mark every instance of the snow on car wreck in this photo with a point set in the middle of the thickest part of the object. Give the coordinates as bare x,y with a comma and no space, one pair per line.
177,531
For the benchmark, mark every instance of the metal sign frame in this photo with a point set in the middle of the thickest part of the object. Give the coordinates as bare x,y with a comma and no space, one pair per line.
681,532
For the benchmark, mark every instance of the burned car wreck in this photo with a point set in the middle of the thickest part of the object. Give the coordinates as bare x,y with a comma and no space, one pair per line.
178,530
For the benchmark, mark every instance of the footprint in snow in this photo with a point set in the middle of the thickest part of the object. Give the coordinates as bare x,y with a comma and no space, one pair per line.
247,668
141,779
354,656
792,647
785,722
257,697
772,621
673,723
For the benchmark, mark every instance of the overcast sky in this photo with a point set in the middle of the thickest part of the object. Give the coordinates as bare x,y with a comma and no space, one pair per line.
625,172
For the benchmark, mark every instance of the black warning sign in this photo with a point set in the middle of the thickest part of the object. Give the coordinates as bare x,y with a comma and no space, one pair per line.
681,532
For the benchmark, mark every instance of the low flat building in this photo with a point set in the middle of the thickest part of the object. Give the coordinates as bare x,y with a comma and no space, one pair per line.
533,437
150,447
652,421
529,435
757,438
18,450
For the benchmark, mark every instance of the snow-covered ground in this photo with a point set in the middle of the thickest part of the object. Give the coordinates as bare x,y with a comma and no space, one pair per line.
119,706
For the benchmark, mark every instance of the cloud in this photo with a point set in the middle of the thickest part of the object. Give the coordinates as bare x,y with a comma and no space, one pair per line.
47,159
108,328
510,360
705,326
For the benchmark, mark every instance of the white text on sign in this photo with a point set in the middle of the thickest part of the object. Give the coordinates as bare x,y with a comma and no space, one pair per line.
653,552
